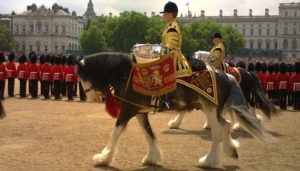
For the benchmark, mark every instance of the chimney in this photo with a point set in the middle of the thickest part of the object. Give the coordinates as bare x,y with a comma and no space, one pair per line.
221,13
235,12
266,12
110,15
202,13
152,14
250,13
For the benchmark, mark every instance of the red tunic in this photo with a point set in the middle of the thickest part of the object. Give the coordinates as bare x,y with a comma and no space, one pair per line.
295,82
270,82
64,71
57,72
33,71
71,76
283,81
22,71
262,78
11,69
3,72
46,72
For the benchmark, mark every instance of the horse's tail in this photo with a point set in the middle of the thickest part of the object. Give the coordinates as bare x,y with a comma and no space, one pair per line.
2,111
237,102
265,104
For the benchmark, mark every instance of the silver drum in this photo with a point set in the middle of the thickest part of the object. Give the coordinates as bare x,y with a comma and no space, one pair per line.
146,53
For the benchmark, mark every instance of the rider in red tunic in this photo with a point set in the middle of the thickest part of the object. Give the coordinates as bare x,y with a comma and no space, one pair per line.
3,75
11,74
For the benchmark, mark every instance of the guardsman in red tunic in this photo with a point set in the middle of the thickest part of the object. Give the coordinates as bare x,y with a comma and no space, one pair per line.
46,75
271,82
57,75
42,62
22,74
71,77
33,72
63,81
3,75
295,86
11,74
283,84
290,93
259,73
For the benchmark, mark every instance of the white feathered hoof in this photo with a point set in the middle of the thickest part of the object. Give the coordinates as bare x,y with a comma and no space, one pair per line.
206,125
152,159
208,162
173,124
102,159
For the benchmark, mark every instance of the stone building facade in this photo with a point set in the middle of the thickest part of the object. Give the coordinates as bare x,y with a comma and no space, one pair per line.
267,32
47,30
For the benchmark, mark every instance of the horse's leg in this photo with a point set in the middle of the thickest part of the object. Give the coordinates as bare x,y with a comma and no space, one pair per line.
206,124
213,158
154,154
106,155
175,123
229,145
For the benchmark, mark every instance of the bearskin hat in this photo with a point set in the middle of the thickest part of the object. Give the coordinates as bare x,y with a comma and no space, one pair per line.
63,60
57,60
271,68
297,67
283,68
48,58
258,67
231,64
276,67
241,64
70,60
22,59
33,58
11,56
290,68
250,67
42,59
264,67
2,57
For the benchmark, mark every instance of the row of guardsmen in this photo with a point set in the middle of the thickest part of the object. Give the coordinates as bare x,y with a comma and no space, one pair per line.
280,81
56,76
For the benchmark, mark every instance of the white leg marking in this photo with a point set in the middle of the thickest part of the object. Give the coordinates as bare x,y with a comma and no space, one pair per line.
106,155
175,123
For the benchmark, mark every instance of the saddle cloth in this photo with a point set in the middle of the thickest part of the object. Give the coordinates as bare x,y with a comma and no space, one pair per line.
203,82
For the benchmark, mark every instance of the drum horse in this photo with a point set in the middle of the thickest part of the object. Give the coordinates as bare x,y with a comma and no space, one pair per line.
248,82
109,73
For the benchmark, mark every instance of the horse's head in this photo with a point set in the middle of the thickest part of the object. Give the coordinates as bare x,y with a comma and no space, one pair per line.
100,72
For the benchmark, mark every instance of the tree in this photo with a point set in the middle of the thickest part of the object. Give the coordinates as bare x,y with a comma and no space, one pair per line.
232,39
6,41
125,31
154,30
92,40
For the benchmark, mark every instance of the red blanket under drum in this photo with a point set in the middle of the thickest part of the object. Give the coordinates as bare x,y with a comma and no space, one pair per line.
203,82
156,78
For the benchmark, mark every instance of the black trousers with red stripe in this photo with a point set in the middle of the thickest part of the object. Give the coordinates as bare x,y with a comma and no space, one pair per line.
2,88
11,87
70,90
296,95
23,87
56,88
33,88
283,98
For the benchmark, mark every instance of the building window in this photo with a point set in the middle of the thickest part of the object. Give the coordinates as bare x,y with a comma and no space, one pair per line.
38,48
30,48
63,28
268,25
259,32
294,44
285,44
259,25
31,28
63,48
70,46
251,32
46,48
267,45
235,25
251,45
286,14
244,32
276,31
268,32
23,48
259,45
39,27
24,28
56,29
244,25
251,25
285,31
56,48
295,14
275,45
47,28
17,29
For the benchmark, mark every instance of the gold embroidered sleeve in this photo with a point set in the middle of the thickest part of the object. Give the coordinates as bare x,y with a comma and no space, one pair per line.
172,39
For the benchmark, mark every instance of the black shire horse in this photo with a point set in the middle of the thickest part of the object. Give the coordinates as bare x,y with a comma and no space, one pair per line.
104,71
251,87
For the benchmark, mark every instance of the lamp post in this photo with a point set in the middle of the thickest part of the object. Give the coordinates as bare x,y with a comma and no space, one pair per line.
12,27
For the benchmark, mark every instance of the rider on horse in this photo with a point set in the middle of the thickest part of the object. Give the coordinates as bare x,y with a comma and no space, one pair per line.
218,53
172,39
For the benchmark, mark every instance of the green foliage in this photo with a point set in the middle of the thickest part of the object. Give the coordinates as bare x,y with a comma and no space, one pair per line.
121,33
6,41
92,40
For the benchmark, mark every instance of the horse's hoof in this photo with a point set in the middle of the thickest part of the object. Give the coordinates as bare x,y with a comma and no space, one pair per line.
172,124
204,162
206,125
101,160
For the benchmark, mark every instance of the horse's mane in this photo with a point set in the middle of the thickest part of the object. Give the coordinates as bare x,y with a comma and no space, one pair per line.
196,64
103,69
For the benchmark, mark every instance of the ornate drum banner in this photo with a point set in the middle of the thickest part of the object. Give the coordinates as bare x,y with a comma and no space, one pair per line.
155,78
